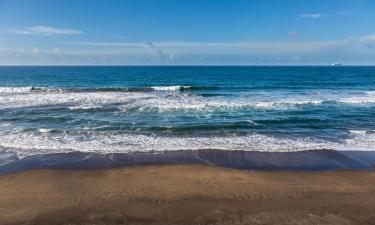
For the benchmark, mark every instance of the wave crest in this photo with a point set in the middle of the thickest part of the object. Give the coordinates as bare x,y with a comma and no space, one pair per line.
30,143
15,89
105,89
169,88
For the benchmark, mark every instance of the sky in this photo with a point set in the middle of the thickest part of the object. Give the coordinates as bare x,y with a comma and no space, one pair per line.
187,32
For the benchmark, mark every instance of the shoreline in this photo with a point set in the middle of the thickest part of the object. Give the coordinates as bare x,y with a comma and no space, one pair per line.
312,160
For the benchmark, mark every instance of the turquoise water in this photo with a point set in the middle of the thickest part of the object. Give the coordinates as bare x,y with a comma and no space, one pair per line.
126,109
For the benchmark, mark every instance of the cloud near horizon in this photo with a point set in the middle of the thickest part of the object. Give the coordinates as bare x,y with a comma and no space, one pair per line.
157,53
311,15
352,49
44,31
345,12
292,34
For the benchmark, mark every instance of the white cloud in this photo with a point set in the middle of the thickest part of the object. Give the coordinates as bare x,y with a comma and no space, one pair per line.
164,49
56,50
111,44
368,38
154,51
311,15
368,41
158,53
169,49
345,12
44,31
292,34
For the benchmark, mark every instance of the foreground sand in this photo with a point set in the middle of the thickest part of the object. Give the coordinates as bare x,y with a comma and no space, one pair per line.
187,194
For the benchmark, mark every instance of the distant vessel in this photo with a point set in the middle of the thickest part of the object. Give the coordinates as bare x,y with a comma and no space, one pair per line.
336,64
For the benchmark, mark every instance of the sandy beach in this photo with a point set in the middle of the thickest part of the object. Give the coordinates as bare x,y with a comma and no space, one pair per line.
186,194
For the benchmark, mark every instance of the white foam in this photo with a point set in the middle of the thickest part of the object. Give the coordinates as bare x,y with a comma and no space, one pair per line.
3,124
44,130
358,100
169,88
367,98
361,142
32,143
191,102
129,143
15,89
358,131
167,100
72,100
83,107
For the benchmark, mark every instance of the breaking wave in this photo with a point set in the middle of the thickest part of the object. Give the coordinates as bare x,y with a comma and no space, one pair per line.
32,143
106,89
164,99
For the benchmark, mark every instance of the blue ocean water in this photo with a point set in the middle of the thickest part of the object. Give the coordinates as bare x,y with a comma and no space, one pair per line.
127,109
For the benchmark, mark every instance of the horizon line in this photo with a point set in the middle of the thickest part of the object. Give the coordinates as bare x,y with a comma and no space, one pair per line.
182,65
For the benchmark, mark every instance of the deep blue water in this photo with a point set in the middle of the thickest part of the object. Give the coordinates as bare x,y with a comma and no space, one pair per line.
124,109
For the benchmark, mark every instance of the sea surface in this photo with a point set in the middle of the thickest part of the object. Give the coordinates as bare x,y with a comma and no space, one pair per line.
142,109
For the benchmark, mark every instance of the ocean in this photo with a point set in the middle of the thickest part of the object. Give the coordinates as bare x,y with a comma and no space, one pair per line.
107,109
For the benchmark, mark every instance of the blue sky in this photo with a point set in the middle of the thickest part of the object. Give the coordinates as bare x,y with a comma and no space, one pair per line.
194,32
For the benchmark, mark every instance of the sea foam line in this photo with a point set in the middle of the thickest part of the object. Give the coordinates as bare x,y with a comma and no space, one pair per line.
170,88
102,89
164,100
32,143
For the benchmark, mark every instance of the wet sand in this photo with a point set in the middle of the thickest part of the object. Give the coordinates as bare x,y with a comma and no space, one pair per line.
313,160
186,194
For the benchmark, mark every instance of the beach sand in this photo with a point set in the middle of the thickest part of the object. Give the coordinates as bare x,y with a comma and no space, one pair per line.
186,194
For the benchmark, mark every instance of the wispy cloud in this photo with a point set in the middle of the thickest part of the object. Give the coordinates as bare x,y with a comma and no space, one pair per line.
157,53
111,44
368,41
356,50
311,15
163,49
345,12
44,31
292,34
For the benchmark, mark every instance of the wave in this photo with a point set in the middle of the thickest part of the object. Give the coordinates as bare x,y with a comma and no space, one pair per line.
44,130
84,107
184,102
358,100
67,90
362,132
167,99
204,127
32,143
146,89
7,157
15,89
169,88
184,88
105,89
162,101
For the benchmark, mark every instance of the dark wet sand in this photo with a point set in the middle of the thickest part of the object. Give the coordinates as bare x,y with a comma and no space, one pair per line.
314,160
186,194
